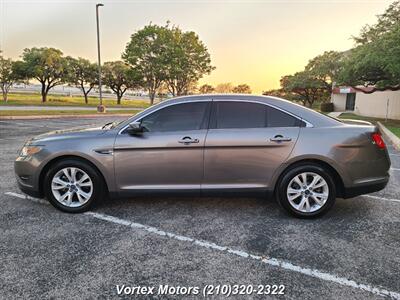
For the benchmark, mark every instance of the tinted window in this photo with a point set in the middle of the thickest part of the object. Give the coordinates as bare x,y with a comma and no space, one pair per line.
250,115
240,115
277,118
186,116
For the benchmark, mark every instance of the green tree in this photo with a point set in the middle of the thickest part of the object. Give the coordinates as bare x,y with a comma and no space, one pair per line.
119,77
362,68
306,86
242,89
281,93
326,68
82,74
8,75
46,65
187,61
375,61
163,92
387,22
206,89
146,54
164,54
191,89
224,88
374,64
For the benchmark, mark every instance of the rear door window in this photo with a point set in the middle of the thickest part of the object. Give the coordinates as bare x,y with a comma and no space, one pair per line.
236,114
231,114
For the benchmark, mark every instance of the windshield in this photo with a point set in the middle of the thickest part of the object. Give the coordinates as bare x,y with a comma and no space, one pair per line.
112,125
140,114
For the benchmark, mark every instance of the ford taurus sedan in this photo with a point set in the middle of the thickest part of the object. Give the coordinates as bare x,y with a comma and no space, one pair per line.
207,144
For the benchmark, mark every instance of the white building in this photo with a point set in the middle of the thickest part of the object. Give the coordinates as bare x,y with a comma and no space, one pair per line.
367,102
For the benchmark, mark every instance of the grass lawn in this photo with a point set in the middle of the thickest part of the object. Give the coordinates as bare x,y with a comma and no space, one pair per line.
62,112
395,130
36,99
392,125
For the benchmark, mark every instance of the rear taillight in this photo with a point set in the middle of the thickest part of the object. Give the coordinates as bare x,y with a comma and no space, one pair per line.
378,141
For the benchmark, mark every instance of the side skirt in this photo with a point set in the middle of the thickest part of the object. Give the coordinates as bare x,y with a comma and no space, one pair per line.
229,192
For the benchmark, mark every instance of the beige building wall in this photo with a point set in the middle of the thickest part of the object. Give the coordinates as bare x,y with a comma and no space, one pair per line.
375,104
339,102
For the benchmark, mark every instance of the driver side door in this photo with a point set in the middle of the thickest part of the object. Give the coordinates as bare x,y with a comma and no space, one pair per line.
168,154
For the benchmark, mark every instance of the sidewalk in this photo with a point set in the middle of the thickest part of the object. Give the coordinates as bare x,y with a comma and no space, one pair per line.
39,117
335,114
37,107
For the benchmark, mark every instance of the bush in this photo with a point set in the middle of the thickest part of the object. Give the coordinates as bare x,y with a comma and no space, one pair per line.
327,107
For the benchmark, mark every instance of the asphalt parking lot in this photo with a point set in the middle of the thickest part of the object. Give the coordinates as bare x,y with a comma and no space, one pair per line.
353,252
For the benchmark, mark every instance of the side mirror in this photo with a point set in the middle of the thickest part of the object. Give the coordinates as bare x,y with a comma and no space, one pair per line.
135,128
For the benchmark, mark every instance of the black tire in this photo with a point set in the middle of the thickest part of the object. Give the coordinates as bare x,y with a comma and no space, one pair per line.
292,173
96,178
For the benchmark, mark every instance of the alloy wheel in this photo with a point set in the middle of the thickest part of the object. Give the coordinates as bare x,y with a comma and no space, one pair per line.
307,192
72,187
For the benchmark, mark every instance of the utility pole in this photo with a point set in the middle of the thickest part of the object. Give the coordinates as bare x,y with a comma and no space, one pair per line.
101,107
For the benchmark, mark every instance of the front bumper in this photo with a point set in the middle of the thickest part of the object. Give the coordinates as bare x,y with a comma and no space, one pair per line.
30,191
366,188
26,172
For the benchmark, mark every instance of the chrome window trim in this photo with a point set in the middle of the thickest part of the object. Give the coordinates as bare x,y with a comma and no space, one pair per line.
162,107
308,124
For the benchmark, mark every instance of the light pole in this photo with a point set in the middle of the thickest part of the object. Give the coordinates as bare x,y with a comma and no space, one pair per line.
101,107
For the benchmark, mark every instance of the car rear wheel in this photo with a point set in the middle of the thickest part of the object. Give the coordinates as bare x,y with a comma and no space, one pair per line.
307,191
73,186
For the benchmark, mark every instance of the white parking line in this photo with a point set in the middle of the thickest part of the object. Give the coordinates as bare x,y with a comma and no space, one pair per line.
263,259
30,124
41,201
394,169
9,139
381,198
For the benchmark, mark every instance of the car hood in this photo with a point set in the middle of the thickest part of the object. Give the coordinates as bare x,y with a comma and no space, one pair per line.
78,132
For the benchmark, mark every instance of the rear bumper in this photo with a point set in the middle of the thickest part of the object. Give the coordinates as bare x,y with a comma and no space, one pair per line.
366,188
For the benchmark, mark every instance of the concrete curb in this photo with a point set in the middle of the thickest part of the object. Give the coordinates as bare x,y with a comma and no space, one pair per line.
62,116
389,136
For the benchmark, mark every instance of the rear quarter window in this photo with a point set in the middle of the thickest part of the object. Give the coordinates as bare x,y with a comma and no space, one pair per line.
277,118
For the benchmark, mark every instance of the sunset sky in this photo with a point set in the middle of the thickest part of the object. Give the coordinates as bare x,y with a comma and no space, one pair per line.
254,42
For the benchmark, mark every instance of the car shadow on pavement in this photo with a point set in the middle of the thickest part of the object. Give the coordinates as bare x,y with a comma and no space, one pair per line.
226,206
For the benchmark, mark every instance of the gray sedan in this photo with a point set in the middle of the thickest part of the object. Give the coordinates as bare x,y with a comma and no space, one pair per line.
205,145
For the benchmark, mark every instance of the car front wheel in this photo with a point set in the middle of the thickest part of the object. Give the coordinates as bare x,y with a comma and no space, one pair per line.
73,186
307,191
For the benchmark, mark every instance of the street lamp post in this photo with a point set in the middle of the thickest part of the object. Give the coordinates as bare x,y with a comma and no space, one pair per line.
101,107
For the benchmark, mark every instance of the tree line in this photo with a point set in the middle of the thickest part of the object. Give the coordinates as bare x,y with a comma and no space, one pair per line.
156,58
373,62
225,88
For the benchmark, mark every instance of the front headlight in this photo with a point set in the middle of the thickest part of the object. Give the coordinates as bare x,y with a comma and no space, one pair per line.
29,150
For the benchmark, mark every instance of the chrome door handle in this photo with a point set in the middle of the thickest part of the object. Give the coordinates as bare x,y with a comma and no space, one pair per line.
279,138
188,140
104,151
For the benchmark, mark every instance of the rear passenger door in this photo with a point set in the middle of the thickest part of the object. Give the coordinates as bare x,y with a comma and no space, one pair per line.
246,142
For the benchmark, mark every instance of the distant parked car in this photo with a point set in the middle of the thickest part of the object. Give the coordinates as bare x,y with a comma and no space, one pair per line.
206,144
